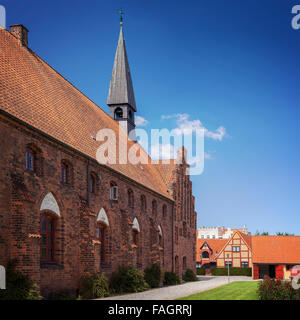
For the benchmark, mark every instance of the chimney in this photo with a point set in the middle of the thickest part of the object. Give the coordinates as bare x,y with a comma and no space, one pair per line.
20,32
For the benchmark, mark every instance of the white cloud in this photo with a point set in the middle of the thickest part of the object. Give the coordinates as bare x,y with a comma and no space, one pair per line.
207,155
140,121
163,151
186,126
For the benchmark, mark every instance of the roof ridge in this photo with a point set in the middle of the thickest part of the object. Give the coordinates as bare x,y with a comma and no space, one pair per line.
38,68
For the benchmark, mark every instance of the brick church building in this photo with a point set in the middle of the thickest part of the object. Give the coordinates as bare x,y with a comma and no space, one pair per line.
62,213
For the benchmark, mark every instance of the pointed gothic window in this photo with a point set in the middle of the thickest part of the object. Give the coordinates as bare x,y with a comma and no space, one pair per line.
66,172
30,160
130,199
143,203
154,207
184,263
164,209
100,235
113,191
93,183
47,238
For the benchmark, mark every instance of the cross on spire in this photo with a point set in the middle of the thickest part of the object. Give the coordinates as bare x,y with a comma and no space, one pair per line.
121,16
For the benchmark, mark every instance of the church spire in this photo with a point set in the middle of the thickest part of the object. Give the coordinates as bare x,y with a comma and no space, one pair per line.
121,95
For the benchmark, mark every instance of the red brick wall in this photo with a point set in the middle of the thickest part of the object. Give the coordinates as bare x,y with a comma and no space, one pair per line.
21,194
184,219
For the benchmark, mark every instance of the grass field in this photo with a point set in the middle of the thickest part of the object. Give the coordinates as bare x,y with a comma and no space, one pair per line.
243,290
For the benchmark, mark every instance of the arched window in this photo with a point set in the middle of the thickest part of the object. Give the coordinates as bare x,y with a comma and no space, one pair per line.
34,159
136,242
130,199
113,191
30,160
164,210
184,263
143,203
100,235
205,255
47,238
177,265
135,232
66,172
50,230
135,235
160,237
118,113
93,183
184,230
154,207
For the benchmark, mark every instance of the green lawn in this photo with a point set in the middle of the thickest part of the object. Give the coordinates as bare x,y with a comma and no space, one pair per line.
243,290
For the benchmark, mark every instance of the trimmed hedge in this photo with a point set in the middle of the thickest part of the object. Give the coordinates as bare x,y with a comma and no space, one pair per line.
153,275
171,279
200,271
232,271
127,280
189,276
93,286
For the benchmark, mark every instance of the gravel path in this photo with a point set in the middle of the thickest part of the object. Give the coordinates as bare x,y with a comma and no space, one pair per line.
183,290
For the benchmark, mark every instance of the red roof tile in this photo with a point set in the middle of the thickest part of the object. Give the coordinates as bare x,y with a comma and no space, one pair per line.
36,94
276,249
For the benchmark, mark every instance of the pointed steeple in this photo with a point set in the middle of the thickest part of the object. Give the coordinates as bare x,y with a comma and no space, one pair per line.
121,88
121,95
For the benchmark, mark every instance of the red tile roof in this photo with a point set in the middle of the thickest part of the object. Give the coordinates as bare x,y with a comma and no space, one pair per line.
247,238
36,94
167,171
215,244
276,249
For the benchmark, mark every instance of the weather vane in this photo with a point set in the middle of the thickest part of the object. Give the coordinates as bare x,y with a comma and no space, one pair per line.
121,16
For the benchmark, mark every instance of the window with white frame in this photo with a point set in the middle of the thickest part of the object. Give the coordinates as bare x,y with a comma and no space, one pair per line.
113,191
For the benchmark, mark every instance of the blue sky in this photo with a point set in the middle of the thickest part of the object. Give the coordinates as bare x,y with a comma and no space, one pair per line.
232,64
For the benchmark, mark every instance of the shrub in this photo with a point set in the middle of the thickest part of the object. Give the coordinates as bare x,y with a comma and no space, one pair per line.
232,271
200,271
275,289
128,279
62,295
93,286
153,275
189,276
18,285
171,279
